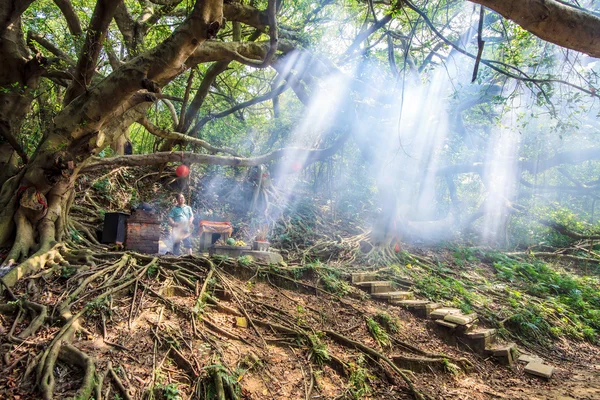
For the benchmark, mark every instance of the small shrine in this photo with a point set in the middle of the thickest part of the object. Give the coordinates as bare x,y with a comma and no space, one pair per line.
206,230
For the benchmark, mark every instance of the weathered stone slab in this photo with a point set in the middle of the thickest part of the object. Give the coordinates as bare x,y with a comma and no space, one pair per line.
481,333
527,358
460,319
363,277
463,329
393,296
504,353
229,251
266,257
376,286
478,340
413,303
421,308
539,369
440,313
429,308
173,291
446,324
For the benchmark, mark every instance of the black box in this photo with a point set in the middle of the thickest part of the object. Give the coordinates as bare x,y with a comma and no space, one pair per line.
115,227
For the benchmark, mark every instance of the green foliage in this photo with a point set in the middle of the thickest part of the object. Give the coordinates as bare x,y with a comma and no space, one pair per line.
97,307
75,235
245,260
230,379
300,315
359,379
171,392
378,333
389,323
444,287
527,234
334,284
463,255
67,271
104,187
220,257
571,304
450,367
317,349
330,278
152,270
540,304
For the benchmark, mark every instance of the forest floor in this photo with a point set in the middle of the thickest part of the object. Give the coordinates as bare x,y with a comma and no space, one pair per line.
156,346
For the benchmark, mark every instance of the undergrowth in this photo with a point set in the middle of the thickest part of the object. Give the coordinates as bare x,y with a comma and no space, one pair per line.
538,301
389,323
378,333
574,301
359,379
318,349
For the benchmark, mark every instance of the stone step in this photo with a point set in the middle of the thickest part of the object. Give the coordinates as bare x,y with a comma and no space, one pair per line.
481,333
414,364
393,296
505,353
477,340
376,286
460,319
363,277
421,308
527,358
440,313
446,324
538,369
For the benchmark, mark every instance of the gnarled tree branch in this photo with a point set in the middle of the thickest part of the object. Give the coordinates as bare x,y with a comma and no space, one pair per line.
103,14
552,21
13,10
66,7
180,137
306,156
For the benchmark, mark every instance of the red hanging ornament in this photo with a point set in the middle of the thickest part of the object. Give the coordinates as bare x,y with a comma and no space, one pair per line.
297,166
182,171
397,247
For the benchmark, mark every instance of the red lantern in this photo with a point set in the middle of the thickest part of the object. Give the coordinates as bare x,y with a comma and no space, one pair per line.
182,171
296,167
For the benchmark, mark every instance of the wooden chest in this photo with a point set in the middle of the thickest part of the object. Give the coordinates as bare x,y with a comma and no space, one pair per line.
143,232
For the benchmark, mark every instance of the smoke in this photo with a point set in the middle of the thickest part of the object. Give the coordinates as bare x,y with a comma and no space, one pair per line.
407,128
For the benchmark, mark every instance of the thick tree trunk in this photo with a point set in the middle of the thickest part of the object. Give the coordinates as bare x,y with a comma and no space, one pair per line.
9,163
19,78
36,200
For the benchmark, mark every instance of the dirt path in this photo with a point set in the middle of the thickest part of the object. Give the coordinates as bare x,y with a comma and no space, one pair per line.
578,384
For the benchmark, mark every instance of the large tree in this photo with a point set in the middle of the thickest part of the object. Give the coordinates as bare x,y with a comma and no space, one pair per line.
105,63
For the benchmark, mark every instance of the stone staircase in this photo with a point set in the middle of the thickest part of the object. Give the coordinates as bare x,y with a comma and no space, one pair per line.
455,327
381,290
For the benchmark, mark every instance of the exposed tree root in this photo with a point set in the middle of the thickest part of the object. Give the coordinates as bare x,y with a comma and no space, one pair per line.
32,265
343,340
72,355
118,382
98,281
433,357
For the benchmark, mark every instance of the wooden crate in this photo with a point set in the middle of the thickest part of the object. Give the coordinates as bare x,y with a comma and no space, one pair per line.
143,232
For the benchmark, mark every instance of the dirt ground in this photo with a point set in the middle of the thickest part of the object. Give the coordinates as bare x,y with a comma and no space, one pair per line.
152,342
